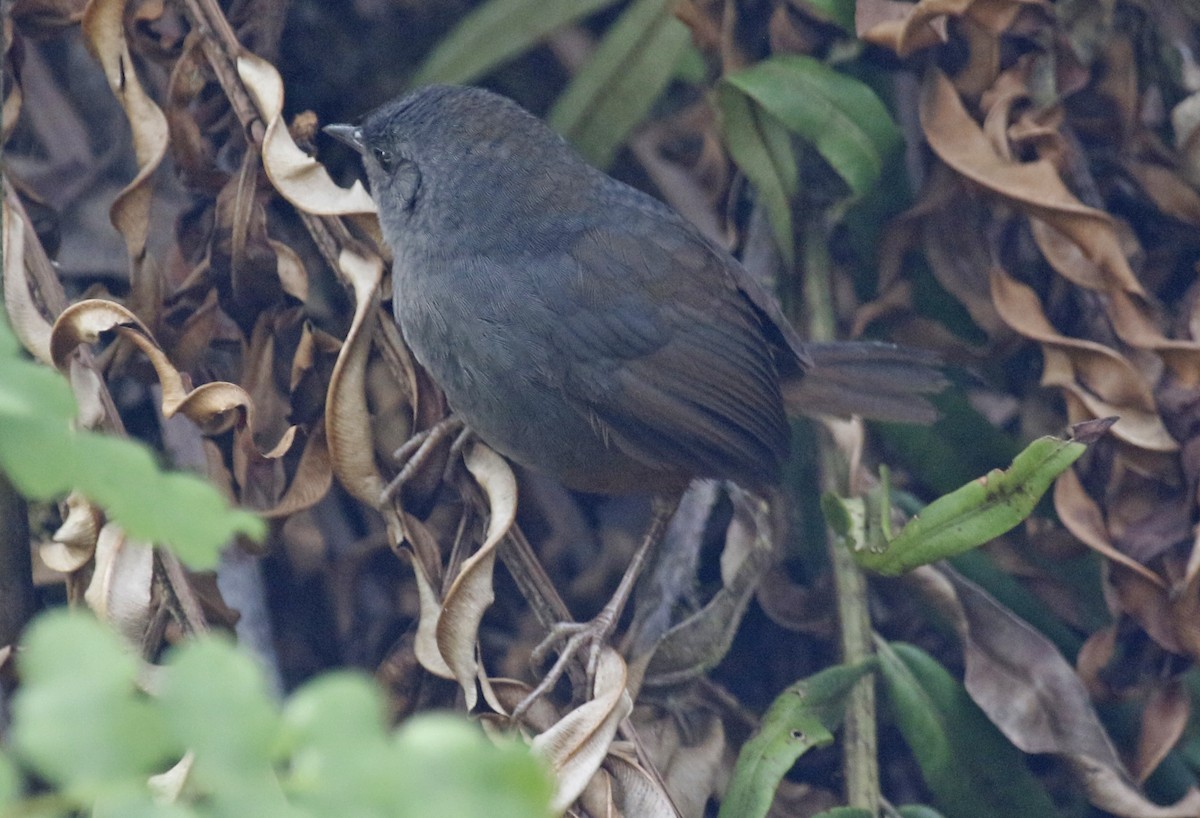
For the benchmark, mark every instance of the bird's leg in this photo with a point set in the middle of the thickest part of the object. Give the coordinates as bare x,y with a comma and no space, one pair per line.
572,636
420,447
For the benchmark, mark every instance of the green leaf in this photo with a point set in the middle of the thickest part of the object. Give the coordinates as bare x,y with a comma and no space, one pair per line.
961,520
341,754
969,766
918,811
845,812
838,115
45,456
10,781
837,12
802,717
629,70
215,702
497,31
78,718
762,148
447,767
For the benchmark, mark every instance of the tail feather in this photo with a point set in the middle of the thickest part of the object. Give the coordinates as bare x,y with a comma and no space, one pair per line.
875,380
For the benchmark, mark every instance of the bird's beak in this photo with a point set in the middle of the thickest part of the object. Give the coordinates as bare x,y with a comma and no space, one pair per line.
351,135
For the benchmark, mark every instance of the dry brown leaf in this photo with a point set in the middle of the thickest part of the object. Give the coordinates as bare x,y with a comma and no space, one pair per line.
297,176
1083,517
104,27
1098,377
74,543
347,421
639,793
1164,718
1033,186
578,743
28,324
120,588
471,593
1034,696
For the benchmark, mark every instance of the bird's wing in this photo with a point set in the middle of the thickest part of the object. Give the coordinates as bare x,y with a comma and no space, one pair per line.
667,356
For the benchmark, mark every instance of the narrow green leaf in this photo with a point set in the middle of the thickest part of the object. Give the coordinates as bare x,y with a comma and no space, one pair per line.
969,766
838,12
802,717
762,148
495,32
615,89
967,517
838,115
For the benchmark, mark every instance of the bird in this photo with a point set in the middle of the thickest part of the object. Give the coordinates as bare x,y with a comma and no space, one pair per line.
583,328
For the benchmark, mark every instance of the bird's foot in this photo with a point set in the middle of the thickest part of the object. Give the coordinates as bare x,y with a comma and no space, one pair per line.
417,450
568,639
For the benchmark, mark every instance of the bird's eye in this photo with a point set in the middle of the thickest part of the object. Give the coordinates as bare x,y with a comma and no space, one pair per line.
385,158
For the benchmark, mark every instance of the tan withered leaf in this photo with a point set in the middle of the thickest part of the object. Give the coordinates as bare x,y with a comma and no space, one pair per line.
297,176
104,28
120,588
347,420
471,594
1084,518
1099,377
577,744
1164,718
1017,676
74,542
27,321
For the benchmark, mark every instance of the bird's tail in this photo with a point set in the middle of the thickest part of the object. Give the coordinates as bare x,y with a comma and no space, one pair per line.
875,380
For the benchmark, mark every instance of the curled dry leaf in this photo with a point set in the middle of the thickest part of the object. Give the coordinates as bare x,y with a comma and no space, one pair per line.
347,421
27,321
471,592
577,744
74,542
641,794
906,28
120,588
104,28
700,642
1028,690
1101,379
297,176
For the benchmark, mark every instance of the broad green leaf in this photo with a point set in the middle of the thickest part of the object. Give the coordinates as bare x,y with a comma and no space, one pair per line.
956,522
78,718
917,811
45,456
340,753
762,148
802,717
629,70
497,31
837,114
445,765
838,12
215,703
967,763
10,781
845,812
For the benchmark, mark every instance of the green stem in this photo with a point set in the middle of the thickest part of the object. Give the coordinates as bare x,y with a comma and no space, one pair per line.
859,745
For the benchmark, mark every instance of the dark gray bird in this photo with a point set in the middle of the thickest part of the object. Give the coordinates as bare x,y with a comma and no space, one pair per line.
582,327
